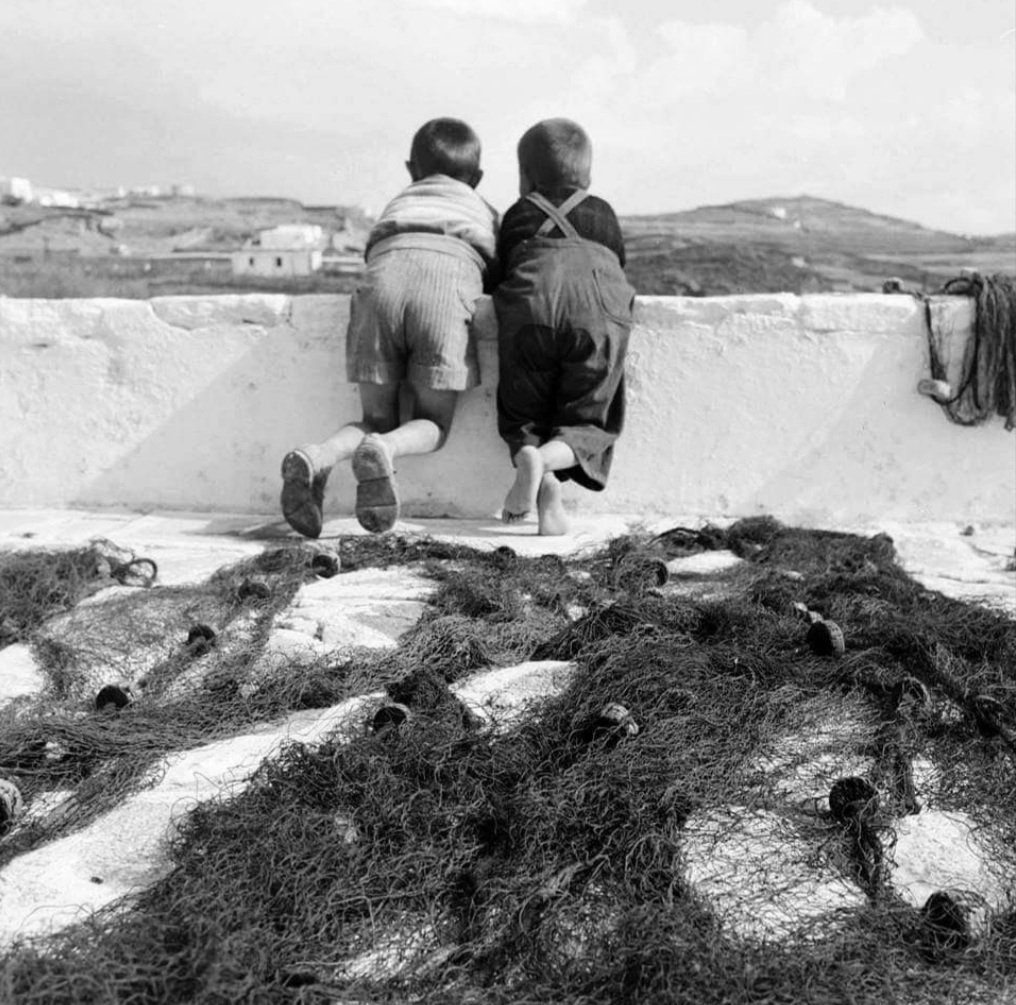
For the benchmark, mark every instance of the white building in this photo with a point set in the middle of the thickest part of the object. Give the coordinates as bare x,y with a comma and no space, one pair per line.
291,235
16,188
57,197
289,250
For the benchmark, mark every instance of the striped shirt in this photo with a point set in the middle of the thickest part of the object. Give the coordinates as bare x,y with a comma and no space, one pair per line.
439,204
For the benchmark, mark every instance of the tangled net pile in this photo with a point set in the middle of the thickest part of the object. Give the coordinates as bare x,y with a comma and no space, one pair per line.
986,382
199,684
440,860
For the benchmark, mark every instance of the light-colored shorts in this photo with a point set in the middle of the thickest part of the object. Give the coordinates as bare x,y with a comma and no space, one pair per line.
410,319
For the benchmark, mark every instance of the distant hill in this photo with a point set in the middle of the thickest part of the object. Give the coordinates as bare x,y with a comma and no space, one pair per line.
796,244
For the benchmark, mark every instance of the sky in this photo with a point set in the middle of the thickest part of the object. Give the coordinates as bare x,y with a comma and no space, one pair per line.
903,107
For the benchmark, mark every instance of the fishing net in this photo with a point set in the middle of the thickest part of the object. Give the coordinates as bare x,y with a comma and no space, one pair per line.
603,848
134,673
36,584
980,383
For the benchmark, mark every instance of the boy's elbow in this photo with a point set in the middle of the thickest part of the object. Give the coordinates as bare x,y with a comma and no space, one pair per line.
492,278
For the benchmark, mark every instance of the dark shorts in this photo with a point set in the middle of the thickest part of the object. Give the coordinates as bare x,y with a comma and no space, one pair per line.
564,315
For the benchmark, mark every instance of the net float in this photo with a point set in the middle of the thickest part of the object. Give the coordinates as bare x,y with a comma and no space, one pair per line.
826,639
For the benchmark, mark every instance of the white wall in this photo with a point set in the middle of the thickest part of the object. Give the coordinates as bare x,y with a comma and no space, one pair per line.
803,407
17,188
276,262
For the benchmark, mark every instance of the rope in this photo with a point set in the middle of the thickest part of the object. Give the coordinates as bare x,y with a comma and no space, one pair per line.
988,383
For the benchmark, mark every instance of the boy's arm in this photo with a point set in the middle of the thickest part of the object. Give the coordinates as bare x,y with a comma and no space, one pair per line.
613,238
620,243
493,276
508,236
493,273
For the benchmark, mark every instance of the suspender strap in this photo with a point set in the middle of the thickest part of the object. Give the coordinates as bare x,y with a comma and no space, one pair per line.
557,216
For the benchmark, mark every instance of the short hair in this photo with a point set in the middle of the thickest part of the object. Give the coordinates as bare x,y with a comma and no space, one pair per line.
446,146
556,153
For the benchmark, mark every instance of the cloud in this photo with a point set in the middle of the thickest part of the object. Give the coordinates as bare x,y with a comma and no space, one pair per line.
700,59
861,107
800,51
808,52
879,106
525,11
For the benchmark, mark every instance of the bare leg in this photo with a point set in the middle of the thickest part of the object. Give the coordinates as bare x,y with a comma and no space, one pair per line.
380,403
552,521
431,414
556,455
338,447
521,498
549,509
533,480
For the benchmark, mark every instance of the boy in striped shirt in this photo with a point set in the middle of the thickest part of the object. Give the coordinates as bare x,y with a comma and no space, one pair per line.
429,256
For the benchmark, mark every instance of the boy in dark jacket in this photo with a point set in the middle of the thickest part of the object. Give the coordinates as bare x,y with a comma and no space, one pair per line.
564,312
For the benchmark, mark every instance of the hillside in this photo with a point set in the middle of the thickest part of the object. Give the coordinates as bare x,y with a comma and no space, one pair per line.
796,244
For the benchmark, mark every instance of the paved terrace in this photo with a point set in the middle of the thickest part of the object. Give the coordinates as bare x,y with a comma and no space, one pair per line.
159,426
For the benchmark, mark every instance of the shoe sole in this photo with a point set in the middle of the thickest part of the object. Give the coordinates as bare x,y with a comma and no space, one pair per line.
377,497
299,507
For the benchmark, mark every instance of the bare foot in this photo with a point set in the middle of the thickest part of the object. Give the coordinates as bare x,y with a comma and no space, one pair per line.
549,508
521,498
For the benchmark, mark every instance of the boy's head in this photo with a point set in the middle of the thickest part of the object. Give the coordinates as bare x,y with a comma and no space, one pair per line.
445,146
555,153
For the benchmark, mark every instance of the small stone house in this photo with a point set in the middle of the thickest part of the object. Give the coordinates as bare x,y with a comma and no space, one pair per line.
284,251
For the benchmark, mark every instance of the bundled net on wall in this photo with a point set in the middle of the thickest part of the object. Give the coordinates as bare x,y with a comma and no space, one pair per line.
983,384
436,860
